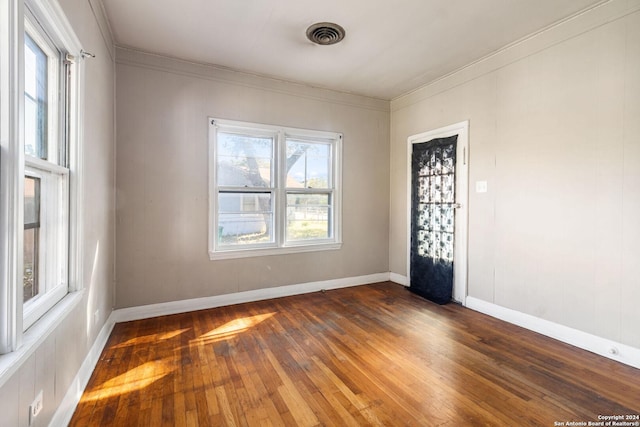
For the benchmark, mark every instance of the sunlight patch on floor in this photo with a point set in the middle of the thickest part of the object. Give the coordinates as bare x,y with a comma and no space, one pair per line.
234,327
145,339
132,380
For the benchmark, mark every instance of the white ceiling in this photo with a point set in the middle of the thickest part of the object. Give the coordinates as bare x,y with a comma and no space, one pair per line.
391,47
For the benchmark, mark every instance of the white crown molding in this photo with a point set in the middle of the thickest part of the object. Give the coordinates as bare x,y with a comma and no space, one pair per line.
600,14
132,57
97,7
607,348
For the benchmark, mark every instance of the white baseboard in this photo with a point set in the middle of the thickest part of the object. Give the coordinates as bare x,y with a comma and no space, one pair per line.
622,353
184,306
601,346
399,279
67,407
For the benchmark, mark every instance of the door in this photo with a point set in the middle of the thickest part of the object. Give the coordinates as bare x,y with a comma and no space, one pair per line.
436,202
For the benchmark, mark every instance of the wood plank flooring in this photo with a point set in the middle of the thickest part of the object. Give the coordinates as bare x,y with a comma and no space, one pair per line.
369,355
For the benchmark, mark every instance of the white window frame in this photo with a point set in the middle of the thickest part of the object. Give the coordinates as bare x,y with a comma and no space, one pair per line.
53,255
278,189
54,69
17,16
54,234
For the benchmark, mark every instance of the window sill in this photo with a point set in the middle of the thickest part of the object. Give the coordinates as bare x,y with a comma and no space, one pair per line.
248,253
34,336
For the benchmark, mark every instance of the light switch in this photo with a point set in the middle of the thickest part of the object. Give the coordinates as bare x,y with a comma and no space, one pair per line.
481,186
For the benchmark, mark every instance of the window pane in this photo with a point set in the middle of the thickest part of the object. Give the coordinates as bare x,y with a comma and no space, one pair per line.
35,99
31,202
308,164
31,237
245,218
308,216
244,161
30,264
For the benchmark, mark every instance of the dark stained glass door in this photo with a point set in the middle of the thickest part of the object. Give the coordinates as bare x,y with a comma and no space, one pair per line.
433,203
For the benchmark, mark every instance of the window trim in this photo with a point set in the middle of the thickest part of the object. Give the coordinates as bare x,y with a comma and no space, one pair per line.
279,190
11,173
51,17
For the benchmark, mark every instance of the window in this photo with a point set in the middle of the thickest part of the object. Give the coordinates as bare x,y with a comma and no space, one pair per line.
40,174
272,189
309,192
46,175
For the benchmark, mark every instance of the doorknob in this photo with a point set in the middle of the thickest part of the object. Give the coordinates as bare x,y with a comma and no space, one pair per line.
457,205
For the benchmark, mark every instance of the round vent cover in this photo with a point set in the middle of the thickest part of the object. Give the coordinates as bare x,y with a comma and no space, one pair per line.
325,33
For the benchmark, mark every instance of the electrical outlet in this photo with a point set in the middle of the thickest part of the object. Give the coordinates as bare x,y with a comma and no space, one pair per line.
35,408
96,317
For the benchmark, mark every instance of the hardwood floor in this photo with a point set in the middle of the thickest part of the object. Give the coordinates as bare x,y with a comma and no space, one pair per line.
369,355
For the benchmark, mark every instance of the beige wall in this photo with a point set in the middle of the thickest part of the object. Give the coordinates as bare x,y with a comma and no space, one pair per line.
54,364
555,130
162,194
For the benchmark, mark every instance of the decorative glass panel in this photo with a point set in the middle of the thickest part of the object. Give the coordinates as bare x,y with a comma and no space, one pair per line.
308,164
447,220
448,160
448,183
244,161
436,189
308,216
433,215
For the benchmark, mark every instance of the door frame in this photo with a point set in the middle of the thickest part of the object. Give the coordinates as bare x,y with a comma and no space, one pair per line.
460,256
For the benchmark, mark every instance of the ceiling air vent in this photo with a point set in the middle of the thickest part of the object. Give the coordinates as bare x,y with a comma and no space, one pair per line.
325,33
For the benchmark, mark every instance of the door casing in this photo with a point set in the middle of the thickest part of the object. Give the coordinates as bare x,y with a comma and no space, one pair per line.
462,198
